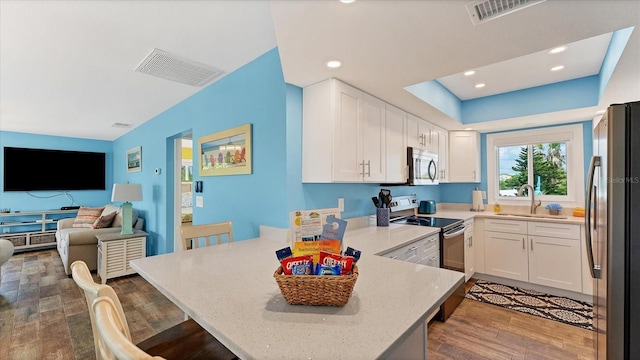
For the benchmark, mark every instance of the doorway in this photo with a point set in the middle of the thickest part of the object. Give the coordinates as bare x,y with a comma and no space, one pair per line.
183,186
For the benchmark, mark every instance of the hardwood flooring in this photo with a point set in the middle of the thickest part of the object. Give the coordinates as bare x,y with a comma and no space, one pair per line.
43,315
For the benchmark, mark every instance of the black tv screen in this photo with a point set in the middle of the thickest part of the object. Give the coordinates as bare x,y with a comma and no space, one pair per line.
28,169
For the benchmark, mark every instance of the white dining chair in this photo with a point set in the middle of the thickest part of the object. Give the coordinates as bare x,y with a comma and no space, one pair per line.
115,344
191,234
186,340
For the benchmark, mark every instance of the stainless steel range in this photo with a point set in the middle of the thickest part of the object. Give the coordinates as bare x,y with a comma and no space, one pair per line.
403,211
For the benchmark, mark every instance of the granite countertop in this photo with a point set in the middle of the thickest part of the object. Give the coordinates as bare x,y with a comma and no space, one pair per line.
229,290
379,240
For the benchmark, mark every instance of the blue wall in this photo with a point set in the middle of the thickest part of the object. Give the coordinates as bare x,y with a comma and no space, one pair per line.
50,200
252,94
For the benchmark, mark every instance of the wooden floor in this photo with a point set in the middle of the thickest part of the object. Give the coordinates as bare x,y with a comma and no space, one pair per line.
43,315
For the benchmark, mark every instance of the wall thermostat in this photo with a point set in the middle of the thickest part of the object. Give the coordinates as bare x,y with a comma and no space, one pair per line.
157,171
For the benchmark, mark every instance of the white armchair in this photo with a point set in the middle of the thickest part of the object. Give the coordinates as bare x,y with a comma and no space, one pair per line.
6,251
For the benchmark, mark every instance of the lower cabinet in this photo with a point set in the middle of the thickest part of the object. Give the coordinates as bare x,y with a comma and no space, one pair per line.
469,251
542,253
425,251
555,262
506,255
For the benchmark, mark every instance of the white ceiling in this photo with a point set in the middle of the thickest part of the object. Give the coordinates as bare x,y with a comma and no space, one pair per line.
66,67
581,58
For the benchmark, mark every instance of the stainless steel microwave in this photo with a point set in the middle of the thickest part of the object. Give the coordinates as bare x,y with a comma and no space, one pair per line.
423,167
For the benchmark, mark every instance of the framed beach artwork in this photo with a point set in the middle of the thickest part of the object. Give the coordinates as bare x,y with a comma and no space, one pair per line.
134,159
226,152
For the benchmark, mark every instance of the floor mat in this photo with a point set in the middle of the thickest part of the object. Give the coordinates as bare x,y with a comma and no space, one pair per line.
565,310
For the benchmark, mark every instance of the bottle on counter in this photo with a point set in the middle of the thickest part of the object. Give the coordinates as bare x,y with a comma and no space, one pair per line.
496,207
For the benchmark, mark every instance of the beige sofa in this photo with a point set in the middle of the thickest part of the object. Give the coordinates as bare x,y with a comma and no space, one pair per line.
82,244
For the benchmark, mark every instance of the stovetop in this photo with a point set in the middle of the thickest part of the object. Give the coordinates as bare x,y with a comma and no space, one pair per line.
428,221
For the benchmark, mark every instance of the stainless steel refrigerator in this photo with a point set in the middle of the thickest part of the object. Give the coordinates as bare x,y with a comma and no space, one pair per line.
613,232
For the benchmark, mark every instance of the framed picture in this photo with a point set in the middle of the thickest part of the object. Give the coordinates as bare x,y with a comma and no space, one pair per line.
226,152
134,159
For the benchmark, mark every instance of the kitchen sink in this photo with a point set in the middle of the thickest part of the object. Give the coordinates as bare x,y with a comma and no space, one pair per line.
533,215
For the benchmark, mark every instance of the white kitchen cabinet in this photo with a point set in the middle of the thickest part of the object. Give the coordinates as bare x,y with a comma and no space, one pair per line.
343,134
425,251
443,155
506,255
554,255
469,251
541,253
421,134
464,157
396,154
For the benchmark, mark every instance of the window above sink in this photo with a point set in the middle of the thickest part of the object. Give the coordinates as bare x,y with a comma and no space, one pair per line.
550,159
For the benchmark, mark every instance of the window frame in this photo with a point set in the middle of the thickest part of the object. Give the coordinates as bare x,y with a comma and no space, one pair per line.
570,134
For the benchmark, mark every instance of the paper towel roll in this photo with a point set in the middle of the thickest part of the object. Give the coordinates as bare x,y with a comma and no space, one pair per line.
477,201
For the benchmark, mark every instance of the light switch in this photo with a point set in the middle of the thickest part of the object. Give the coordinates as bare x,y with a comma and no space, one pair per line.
199,201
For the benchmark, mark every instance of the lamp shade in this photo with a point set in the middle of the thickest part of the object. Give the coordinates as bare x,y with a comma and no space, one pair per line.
126,192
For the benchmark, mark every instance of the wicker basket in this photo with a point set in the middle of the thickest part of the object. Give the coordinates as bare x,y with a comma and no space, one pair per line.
316,290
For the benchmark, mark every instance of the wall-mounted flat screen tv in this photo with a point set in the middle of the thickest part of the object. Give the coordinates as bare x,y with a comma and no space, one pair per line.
27,169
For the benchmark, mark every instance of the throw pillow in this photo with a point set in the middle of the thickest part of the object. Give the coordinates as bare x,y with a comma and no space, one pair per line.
104,221
86,217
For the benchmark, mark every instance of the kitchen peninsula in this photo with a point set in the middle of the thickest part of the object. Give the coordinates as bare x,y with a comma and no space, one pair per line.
229,289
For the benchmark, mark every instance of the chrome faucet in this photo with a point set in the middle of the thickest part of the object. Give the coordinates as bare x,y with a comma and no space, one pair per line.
534,204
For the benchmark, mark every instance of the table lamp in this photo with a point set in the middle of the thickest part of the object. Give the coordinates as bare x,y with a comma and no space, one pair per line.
126,193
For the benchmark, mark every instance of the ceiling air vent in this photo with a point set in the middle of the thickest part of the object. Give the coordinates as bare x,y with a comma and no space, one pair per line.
121,125
483,11
171,67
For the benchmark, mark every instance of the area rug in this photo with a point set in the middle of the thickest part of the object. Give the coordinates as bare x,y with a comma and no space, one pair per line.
551,307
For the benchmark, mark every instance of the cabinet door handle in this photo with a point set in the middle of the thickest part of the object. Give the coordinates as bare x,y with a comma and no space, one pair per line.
531,242
362,168
523,243
368,168
470,241
413,248
394,257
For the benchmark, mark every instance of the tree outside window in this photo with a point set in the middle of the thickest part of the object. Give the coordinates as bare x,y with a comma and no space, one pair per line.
543,165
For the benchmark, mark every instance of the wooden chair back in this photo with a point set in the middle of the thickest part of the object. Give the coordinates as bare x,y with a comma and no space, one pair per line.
82,276
191,234
112,329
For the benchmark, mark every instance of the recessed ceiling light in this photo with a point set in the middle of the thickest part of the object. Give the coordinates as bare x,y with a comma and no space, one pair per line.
481,85
469,73
557,68
468,128
599,112
559,49
347,1
334,64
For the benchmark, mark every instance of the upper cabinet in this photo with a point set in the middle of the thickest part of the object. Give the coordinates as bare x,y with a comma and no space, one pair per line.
464,156
343,134
396,153
421,134
443,155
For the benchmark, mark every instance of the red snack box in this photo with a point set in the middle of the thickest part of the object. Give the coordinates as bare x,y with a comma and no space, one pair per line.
329,259
288,263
